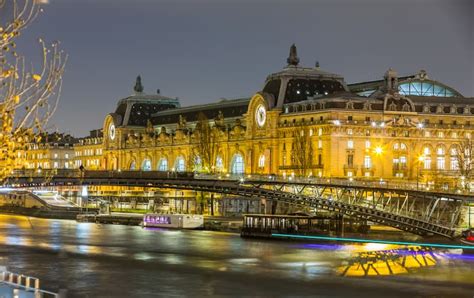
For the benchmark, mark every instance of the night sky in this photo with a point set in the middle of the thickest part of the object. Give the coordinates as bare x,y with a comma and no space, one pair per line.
201,51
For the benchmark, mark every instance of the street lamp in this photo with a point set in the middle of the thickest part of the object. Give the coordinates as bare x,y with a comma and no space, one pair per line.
421,159
378,150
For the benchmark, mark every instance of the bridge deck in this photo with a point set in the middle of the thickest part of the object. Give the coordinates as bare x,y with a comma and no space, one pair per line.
417,211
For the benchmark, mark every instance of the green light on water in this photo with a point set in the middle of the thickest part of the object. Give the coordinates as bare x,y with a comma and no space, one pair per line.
373,241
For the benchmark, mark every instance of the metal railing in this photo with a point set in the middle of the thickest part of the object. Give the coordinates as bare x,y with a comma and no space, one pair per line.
20,282
366,183
289,179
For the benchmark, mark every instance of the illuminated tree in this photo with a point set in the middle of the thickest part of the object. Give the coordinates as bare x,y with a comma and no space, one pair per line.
302,150
464,153
206,146
28,95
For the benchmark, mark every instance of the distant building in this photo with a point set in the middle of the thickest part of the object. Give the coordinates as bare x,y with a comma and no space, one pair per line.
52,151
88,151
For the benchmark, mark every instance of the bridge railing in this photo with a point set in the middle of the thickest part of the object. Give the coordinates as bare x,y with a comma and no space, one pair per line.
335,181
388,184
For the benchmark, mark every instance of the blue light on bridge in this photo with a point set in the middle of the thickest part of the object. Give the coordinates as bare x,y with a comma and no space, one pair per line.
437,245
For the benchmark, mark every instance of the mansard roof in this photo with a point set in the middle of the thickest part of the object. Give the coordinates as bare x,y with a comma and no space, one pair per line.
229,107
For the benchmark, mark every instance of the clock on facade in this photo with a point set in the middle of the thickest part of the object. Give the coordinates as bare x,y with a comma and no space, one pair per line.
112,131
261,115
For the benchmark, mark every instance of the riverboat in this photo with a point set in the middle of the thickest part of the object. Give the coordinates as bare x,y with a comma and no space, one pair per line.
174,221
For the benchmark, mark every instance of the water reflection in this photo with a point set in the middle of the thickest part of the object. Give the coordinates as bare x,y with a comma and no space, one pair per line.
388,262
154,260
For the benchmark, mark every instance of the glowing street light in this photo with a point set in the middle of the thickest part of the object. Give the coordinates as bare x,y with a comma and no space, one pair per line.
378,150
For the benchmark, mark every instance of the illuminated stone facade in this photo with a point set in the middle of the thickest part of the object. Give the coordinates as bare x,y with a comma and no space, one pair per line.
397,129
88,151
53,151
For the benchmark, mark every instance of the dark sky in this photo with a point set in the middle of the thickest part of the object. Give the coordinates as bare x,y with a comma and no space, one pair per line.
202,50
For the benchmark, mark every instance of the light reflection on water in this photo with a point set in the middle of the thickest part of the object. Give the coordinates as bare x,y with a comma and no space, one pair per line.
123,249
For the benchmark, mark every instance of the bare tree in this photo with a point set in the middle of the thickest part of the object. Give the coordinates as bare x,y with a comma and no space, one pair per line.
464,152
302,150
206,146
28,96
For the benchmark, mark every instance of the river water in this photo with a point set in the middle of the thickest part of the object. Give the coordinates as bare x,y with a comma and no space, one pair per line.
90,260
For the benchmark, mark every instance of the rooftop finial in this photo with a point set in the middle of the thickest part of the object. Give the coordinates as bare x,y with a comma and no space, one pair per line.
317,64
293,57
138,85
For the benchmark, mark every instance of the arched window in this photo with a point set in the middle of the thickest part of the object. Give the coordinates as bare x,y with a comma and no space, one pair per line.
261,161
179,164
440,159
454,159
399,146
197,163
426,151
219,163
426,88
426,158
237,166
133,165
163,164
146,165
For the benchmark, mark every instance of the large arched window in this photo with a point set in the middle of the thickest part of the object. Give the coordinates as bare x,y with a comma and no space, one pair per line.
426,88
399,146
146,165
237,166
219,163
163,164
133,165
180,165
261,161
440,158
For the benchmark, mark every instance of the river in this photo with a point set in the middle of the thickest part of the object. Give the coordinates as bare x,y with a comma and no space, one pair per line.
90,260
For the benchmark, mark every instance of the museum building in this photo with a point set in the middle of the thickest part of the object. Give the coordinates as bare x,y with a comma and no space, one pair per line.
304,122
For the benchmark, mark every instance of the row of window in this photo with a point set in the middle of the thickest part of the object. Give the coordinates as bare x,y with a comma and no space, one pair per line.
89,152
47,165
236,167
54,155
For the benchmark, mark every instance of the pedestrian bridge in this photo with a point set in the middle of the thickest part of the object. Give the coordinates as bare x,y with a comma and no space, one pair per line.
418,211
